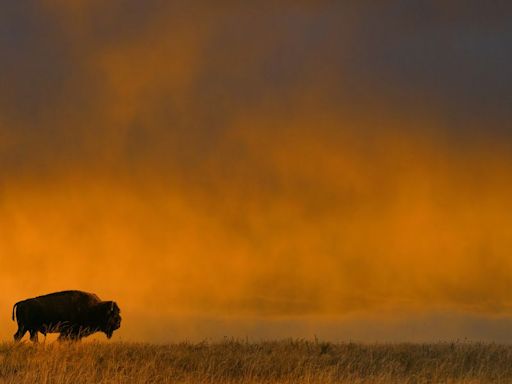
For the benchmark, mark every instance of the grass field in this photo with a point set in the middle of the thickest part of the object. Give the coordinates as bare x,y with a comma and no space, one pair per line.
266,362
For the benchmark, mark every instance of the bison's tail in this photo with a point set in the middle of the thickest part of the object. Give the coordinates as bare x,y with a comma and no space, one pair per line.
14,311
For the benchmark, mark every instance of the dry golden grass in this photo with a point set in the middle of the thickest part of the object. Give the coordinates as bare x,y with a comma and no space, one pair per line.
266,362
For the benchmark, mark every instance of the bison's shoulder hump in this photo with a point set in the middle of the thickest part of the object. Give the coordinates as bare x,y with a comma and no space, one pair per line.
72,295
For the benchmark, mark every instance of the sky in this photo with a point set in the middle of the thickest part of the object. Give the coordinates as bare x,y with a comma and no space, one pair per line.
280,169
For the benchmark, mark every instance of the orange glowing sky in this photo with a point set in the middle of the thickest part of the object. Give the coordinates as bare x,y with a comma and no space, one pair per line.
260,170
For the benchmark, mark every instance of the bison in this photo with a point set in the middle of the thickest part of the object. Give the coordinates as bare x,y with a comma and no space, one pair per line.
72,314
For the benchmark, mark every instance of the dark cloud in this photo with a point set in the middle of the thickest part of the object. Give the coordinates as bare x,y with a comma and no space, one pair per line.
409,57
453,57
36,61
47,91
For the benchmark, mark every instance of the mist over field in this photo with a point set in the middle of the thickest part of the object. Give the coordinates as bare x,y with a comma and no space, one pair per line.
261,171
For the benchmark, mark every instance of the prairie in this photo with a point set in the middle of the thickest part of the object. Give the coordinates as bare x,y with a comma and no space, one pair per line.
232,361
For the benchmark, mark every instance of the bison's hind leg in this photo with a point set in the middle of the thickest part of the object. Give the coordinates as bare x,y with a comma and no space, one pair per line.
33,336
19,333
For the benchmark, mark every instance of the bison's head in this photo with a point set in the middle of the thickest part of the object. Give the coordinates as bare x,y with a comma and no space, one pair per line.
111,317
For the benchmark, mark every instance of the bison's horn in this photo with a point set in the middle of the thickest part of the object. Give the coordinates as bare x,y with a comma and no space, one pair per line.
112,306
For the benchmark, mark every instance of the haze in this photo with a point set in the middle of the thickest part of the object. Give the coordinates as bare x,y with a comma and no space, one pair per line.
261,171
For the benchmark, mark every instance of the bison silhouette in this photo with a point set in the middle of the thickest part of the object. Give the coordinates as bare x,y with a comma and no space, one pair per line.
72,314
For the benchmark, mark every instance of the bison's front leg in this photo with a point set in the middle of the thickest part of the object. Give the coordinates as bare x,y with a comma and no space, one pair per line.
33,336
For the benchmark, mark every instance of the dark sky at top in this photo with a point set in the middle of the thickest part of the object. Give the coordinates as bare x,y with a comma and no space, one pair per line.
417,58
